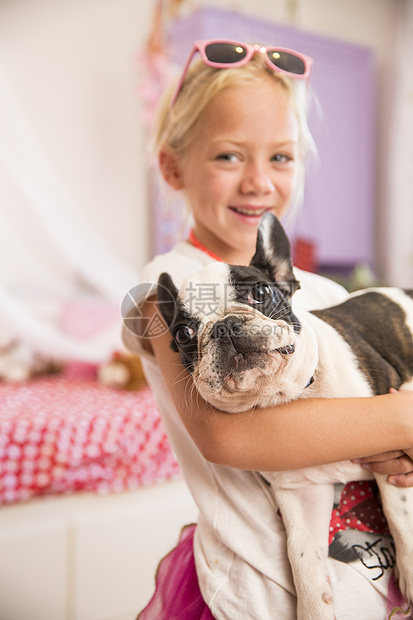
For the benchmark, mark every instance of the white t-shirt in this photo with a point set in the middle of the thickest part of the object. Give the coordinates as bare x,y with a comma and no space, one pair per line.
240,545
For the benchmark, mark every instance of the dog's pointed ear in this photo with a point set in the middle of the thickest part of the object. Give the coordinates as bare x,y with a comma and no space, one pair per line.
273,254
167,294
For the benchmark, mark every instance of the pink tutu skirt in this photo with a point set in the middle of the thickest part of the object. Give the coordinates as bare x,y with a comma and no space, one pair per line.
177,595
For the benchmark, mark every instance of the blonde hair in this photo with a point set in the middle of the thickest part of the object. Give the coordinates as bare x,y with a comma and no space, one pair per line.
174,126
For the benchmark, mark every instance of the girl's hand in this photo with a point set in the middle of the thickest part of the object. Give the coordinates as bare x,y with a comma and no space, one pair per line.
397,464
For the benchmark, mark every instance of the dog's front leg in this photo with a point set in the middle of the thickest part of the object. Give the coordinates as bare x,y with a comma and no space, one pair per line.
398,508
306,514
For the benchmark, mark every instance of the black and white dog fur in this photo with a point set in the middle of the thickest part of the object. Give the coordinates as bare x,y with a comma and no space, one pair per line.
251,349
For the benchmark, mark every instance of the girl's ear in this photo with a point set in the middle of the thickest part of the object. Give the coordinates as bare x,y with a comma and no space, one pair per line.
170,167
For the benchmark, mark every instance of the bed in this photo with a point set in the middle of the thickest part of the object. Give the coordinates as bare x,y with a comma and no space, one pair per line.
91,498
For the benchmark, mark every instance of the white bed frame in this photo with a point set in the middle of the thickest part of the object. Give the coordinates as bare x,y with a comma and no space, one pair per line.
88,557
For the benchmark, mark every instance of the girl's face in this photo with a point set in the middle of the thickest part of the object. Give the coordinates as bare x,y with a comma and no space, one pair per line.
242,160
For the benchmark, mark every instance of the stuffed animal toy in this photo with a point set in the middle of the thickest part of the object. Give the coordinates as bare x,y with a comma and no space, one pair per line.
124,371
19,362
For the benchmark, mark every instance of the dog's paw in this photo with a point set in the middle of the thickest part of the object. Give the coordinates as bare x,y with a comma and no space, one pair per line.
403,574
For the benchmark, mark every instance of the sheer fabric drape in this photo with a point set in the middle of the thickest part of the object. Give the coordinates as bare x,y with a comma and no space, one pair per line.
49,253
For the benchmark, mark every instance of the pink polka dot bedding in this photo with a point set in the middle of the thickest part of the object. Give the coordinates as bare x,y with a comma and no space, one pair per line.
65,434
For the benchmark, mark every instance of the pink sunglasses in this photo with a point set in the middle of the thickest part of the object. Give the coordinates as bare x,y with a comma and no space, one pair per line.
224,54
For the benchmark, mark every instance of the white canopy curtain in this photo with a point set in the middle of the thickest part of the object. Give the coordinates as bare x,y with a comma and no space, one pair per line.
399,215
48,250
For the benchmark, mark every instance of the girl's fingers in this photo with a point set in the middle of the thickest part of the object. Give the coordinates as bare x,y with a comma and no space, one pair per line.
403,480
384,456
391,467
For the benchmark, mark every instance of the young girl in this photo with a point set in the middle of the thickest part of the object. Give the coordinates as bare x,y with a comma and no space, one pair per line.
233,137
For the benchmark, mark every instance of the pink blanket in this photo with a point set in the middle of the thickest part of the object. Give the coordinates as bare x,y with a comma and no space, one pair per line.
63,434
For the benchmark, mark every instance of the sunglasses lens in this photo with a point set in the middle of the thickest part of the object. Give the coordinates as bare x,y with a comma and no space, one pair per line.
287,62
225,53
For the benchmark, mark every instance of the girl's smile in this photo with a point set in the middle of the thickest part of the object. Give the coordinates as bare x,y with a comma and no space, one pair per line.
249,214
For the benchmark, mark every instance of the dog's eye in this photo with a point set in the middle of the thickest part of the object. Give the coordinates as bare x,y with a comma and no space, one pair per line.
259,293
184,334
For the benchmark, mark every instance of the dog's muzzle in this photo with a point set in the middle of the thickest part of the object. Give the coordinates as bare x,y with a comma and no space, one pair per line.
238,333
228,330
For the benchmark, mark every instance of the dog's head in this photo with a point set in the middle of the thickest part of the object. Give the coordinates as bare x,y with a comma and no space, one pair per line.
236,331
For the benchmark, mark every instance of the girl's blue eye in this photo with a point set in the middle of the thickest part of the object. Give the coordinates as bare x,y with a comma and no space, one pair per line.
281,158
228,157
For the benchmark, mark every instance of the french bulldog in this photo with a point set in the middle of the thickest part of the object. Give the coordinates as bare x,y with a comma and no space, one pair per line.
247,347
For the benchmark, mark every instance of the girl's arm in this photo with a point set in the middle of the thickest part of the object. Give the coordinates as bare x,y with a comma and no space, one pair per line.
397,463
299,434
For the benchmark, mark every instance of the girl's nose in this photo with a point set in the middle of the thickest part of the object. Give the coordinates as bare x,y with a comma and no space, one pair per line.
257,181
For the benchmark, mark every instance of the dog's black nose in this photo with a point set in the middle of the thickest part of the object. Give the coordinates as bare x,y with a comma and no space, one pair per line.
229,327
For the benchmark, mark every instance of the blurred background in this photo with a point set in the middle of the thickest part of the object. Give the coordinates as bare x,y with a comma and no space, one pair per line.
77,212
81,212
